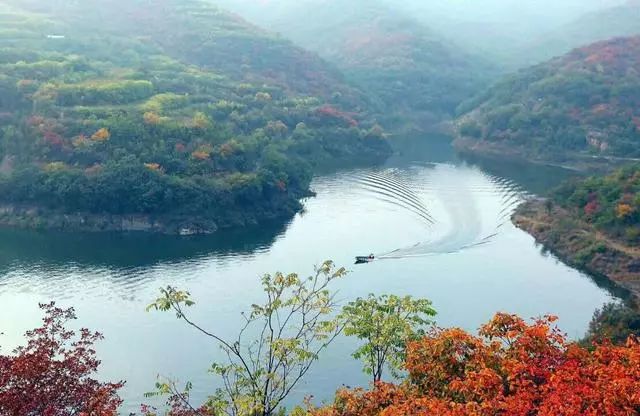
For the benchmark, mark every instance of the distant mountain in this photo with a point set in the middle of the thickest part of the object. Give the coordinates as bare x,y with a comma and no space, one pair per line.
501,30
387,52
175,110
623,20
586,102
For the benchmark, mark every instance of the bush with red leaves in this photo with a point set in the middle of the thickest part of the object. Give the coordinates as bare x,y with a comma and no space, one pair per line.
51,375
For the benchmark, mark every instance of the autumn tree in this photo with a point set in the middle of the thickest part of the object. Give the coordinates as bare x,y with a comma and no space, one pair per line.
294,324
51,375
509,368
151,118
101,135
386,324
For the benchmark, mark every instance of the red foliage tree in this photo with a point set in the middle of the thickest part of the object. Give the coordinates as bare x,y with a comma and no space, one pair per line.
53,138
50,376
512,368
329,112
591,208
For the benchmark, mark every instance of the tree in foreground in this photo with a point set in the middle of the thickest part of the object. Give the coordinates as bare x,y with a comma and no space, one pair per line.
51,375
512,368
276,346
386,323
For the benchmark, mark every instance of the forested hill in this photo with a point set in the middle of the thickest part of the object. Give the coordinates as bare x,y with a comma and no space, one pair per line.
173,109
584,103
410,68
622,20
193,31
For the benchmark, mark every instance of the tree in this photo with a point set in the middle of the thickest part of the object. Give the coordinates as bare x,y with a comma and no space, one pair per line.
51,375
511,368
624,210
101,135
386,323
294,324
151,118
614,322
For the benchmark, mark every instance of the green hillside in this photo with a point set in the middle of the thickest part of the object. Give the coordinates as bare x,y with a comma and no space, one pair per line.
610,203
586,103
174,109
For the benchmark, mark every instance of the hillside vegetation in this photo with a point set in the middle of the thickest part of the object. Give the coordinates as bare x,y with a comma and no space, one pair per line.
611,203
593,224
172,109
586,103
409,68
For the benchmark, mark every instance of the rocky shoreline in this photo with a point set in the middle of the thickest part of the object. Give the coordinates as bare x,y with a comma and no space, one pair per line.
30,217
579,245
581,162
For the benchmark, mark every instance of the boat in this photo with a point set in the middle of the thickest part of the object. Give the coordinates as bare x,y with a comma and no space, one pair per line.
365,259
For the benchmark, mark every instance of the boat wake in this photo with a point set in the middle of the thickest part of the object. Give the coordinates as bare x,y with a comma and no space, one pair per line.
460,208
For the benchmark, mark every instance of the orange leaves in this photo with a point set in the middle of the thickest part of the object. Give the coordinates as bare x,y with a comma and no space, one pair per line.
101,135
154,167
606,381
151,118
366,403
624,210
200,155
511,368
203,152
442,358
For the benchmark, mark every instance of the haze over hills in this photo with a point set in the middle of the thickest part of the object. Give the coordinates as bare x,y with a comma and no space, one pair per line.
410,68
585,102
215,122
503,29
621,20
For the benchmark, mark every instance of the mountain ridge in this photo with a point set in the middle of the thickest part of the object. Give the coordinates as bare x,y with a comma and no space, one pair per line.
583,103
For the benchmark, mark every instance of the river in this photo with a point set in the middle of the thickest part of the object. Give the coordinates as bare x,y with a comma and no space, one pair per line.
438,224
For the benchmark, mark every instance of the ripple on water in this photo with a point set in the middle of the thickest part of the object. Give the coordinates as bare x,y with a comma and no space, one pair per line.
473,205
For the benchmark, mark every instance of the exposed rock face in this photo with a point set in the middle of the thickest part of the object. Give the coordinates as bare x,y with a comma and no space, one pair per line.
31,217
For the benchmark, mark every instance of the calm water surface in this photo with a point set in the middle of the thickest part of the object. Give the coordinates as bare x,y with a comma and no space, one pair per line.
439,224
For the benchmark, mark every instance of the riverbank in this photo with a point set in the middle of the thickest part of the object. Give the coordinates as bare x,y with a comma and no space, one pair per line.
579,245
38,218
580,162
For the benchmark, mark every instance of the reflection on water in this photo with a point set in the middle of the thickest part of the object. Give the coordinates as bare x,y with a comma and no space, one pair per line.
440,206
536,178
129,250
124,260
